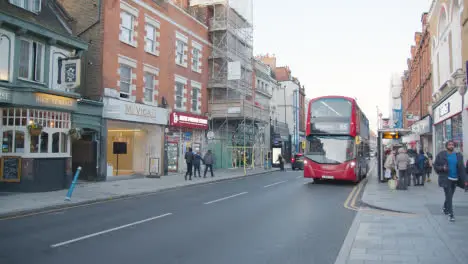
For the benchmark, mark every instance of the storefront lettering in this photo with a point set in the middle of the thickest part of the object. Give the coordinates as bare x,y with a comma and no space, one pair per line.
193,120
139,111
53,100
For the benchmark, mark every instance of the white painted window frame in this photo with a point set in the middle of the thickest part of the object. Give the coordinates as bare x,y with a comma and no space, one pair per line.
32,76
10,68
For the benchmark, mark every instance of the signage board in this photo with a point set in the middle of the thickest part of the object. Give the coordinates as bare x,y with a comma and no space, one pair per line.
188,120
330,127
450,107
70,73
50,100
129,111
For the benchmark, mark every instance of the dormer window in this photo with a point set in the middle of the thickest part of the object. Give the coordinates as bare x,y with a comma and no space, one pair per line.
30,5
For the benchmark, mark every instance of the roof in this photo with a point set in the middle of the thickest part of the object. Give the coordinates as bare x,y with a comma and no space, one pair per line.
47,18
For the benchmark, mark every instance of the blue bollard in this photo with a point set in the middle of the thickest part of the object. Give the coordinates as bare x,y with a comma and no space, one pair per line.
72,186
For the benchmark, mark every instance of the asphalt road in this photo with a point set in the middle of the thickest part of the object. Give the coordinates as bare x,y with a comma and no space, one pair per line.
272,218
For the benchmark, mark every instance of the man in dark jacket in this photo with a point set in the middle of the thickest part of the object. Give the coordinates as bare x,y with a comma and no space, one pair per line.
196,164
208,160
449,165
189,161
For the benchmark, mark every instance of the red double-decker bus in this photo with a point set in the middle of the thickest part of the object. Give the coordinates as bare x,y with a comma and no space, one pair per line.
337,140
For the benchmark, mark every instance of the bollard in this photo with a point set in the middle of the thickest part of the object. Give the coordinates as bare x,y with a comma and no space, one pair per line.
72,186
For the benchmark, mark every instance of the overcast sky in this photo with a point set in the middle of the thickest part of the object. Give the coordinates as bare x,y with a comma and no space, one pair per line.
341,47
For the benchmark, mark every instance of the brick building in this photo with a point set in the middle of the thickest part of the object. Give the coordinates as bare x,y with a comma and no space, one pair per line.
147,62
417,90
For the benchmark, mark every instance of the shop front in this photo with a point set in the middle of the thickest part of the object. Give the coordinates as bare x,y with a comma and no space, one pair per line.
448,123
420,136
134,137
185,130
36,140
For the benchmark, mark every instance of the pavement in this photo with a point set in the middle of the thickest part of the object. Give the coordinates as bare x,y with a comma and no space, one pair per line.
276,218
14,204
406,227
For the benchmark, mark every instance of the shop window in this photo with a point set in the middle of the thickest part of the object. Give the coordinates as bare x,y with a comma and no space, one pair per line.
19,142
7,144
15,136
55,142
64,143
44,142
34,144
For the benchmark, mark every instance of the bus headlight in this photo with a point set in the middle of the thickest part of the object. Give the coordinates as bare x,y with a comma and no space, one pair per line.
352,164
305,162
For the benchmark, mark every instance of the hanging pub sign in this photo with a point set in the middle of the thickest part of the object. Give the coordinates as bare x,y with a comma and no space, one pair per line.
70,74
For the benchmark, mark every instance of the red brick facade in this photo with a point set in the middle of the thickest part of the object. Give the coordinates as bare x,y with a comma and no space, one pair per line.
171,23
417,80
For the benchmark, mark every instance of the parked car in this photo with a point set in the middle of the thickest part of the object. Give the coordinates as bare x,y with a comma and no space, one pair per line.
297,162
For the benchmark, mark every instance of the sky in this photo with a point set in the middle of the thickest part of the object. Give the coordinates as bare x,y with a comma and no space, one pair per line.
340,47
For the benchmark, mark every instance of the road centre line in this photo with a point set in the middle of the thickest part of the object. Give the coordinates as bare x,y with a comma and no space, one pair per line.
269,185
300,176
225,198
108,230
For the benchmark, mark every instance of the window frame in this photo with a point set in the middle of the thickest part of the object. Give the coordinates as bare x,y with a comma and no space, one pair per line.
31,7
32,62
148,39
131,30
177,95
180,54
129,81
195,60
54,121
146,87
10,37
195,98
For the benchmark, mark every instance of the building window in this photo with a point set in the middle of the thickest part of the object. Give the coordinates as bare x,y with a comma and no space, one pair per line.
149,87
180,52
195,92
126,27
150,39
179,94
15,134
6,52
30,5
195,59
31,61
125,80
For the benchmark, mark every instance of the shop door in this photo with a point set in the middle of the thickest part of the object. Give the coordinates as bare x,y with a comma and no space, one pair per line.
84,155
173,156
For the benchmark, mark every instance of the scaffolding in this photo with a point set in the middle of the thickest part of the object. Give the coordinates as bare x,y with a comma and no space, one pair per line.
234,117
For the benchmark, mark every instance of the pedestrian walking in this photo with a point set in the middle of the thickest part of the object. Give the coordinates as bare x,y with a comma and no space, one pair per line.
281,162
208,160
189,162
420,169
196,164
402,163
449,165
428,166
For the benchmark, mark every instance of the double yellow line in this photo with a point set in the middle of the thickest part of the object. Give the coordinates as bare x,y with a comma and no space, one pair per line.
350,202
